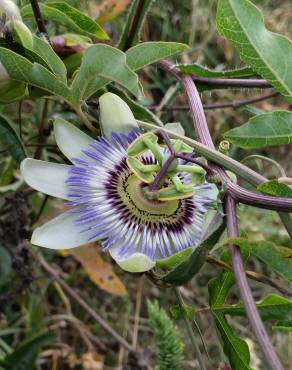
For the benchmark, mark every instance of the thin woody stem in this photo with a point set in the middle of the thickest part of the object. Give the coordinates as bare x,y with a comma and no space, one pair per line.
135,25
190,330
231,104
50,270
212,106
38,18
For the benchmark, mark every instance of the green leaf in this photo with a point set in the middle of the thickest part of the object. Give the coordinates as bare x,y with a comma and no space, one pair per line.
22,34
220,286
234,347
276,258
10,140
272,307
25,355
100,65
45,51
35,314
273,187
202,71
136,15
264,130
64,14
11,91
267,53
21,69
184,271
147,53
19,49
283,325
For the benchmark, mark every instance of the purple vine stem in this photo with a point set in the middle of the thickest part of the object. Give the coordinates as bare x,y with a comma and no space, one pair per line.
245,292
161,173
203,134
233,82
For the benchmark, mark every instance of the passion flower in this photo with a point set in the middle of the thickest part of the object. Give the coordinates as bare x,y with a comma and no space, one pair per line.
108,186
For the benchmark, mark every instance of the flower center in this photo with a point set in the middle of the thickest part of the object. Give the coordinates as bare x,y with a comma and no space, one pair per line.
135,189
126,193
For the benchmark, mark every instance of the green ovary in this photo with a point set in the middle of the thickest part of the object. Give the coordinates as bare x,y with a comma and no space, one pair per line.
132,193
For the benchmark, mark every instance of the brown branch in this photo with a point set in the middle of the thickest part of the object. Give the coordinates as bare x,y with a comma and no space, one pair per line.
261,278
72,293
135,25
39,19
42,138
233,82
139,297
232,104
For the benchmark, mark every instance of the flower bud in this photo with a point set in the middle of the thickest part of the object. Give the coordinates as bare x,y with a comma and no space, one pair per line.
21,33
10,9
115,115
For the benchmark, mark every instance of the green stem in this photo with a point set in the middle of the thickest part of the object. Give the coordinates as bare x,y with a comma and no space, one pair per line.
84,119
261,157
190,331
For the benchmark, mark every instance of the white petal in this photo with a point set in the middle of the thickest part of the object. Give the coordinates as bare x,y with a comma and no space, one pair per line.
211,193
60,233
136,262
71,140
46,177
115,115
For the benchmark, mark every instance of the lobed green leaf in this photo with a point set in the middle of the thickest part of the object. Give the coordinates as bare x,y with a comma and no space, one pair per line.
268,129
102,64
202,71
267,53
10,140
64,14
55,64
278,259
272,307
273,187
147,53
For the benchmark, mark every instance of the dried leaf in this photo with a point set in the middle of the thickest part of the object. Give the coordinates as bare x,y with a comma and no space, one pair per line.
107,10
99,272
92,361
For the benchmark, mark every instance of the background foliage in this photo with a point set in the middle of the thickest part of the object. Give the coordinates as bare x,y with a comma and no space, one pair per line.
41,326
